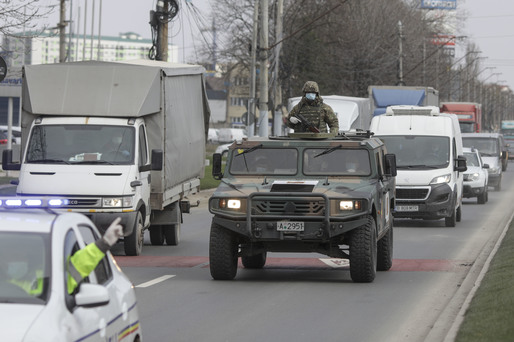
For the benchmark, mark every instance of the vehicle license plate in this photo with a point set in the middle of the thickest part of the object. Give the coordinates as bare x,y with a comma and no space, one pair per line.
287,226
407,208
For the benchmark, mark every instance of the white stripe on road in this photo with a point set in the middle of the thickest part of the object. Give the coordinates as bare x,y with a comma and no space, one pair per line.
156,280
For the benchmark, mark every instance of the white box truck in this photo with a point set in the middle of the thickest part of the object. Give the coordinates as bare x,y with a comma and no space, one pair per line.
429,158
110,139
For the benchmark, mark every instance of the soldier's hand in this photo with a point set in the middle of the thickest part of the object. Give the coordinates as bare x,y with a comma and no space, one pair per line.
294,120
114,232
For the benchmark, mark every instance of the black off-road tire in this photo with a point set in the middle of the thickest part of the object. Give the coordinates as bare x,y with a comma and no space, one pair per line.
171,233
385,251
458,215
482,198
254,261
452,220
363,253
223,249
133,244
156,236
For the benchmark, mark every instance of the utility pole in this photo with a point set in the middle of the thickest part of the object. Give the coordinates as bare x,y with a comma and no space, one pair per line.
92,30
62,33
277,118
250,121
263,84
165,11
85,28
400,55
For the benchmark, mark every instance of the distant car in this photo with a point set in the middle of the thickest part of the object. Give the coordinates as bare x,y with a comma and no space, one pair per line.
226,135
476,176
15,131
35,245
493,152
222,148
212,136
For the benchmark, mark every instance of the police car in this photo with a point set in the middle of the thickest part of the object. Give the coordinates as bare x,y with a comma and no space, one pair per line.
35,304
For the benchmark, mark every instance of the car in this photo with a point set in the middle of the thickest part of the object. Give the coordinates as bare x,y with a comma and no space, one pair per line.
222,148
15,131
36,243
476,176
493,151
3,138
212,136
227,135
303,193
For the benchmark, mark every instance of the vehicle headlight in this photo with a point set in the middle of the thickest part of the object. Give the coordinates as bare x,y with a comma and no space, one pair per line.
117,202
494,169
441,179
350,205
473,176
230,203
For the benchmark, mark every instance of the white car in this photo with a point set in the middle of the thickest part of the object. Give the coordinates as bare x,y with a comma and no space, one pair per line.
36,244
222,148
212,136
476,178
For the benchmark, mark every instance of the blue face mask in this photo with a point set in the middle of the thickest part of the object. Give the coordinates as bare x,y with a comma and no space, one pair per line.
310,96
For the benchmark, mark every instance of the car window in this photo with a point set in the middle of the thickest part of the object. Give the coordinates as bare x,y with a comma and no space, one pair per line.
343,162
103,271
264,161
24,267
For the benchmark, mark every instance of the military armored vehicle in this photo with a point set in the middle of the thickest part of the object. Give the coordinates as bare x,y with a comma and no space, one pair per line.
305,192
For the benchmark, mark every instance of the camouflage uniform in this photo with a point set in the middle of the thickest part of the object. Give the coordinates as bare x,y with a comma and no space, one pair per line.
316,112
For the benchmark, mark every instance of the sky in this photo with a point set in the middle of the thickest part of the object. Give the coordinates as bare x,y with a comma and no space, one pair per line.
489,25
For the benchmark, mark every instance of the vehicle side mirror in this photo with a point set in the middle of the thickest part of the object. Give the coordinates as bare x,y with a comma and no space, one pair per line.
7,163
91,295
216,166
460,164
390,165
485,166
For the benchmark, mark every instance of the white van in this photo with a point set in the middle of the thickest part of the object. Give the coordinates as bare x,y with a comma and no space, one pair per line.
429,158
228,135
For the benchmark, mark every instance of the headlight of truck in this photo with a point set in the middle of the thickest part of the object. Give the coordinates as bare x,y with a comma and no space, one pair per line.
234,205
117,202
441,179
471,176
350,205
494,169
346,206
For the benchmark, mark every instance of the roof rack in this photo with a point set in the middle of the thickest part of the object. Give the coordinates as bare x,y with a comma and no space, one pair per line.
347,135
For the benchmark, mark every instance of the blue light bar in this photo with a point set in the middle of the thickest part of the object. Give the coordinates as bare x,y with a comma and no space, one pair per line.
31,202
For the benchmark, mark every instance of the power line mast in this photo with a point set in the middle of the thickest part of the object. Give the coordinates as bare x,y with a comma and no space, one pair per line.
165,11
263,74
62,32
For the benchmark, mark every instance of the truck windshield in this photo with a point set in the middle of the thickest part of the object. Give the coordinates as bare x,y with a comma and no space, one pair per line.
24,268
338,162
486,146
81,144
467,127
264,161
471,159
419,152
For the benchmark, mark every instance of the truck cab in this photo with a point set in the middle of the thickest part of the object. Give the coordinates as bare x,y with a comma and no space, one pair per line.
304,193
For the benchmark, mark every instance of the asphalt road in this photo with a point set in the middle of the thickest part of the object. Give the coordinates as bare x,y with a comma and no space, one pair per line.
309,297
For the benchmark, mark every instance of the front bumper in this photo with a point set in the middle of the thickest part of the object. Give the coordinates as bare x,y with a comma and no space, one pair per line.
472,191
424,202
265,210
494,179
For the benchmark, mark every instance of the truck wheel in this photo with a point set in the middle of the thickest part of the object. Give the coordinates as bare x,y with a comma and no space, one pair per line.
156,236
452,220
363,253
385,251
172,233
458,217
223,248
254,261
482,198
498,187
133,243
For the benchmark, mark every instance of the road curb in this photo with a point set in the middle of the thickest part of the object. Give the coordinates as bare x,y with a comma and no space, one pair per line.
459,303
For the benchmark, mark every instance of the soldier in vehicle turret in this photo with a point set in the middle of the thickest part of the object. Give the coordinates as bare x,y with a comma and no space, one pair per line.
311,114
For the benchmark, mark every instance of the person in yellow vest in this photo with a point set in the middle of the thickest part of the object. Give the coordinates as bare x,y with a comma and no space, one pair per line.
25,270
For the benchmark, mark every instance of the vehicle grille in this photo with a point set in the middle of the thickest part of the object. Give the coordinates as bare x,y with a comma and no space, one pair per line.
82,202
297,207
412,193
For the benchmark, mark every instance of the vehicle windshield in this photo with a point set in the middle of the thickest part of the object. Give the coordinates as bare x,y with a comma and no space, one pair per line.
264,161
471,159
81,144
467,127
507,133
337,162
419,152
486,146
24,268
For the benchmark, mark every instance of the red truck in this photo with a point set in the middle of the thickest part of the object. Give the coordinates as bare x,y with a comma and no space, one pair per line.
469,114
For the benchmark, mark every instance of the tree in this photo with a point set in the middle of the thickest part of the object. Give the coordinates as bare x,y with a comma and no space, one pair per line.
17,16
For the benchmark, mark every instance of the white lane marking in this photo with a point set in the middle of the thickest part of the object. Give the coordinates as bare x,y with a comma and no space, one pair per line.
201,265
156,280
336,263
